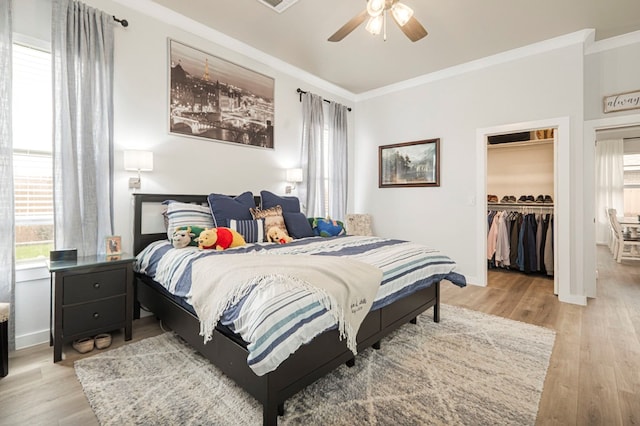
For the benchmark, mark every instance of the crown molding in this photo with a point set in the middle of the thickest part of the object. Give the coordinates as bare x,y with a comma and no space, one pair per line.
613,43
570,39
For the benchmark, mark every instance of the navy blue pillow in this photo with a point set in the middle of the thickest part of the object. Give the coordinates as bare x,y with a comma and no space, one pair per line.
223,207
297,225
288,204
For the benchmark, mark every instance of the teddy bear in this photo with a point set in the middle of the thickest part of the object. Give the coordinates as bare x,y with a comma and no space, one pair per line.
220,239
277,235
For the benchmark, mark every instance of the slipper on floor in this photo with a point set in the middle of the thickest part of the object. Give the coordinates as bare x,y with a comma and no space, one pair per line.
103,340
83,345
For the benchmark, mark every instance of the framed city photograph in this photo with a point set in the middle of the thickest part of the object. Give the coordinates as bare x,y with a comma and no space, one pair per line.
114,245
216,100
409,164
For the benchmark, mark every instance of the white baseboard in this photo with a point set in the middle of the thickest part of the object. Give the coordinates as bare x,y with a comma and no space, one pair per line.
36,338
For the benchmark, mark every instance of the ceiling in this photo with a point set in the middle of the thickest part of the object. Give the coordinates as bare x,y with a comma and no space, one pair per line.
459,31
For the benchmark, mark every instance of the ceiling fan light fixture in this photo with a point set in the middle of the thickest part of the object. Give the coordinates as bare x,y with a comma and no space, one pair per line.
402,13
375,7
374,25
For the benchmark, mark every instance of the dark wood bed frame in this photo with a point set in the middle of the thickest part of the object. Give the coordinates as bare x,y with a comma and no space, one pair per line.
309,363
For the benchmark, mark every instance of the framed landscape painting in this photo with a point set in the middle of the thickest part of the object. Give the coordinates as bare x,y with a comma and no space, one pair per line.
409,164
214,99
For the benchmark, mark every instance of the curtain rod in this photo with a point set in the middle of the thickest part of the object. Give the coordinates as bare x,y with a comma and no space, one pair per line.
302,92
122,22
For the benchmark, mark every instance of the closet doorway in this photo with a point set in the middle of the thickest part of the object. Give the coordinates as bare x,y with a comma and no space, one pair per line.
520,203
556,187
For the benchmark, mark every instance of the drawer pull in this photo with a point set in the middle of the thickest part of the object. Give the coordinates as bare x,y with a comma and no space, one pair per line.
96,285
96,315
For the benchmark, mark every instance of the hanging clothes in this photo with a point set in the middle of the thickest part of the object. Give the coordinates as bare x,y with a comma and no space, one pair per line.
523,242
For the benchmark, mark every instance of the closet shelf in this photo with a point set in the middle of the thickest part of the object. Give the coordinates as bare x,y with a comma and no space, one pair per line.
521,206
531,142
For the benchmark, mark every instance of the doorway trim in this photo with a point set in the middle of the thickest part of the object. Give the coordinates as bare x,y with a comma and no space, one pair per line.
562,200
589,173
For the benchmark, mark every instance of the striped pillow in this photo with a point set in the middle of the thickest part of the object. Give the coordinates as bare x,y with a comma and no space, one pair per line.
186,214
251,230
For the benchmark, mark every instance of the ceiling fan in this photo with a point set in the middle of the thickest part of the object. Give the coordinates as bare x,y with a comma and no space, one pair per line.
376,12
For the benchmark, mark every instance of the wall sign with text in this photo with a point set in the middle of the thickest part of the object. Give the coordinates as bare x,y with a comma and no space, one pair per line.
622,101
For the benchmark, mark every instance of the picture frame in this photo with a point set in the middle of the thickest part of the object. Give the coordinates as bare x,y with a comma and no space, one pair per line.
409,164
216,100
113,245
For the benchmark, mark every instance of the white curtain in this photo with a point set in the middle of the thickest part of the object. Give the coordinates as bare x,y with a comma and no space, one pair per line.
312,158
609,184
82,48
337,161
7,229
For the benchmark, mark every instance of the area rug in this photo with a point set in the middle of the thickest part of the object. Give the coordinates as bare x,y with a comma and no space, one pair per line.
470,369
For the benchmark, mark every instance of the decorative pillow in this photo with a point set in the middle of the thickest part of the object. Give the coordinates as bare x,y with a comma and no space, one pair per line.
224,207
251,230
288,204
186,214
272,218
297,225
326,227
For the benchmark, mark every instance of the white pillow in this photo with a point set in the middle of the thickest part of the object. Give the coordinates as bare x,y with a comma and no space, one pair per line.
186,214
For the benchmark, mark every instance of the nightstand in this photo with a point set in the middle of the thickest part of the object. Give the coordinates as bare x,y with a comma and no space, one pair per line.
90,295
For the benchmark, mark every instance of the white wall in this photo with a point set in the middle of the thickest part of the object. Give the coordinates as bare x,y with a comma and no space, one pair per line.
536,87
611,67
520,170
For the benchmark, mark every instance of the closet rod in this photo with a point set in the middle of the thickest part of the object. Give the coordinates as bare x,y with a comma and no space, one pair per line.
302,92
520,207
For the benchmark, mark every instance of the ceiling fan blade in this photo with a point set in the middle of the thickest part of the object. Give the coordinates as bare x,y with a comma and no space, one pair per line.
412,29
349,26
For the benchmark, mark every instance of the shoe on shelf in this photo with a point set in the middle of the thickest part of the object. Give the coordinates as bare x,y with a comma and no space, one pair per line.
492,198
530,199
512,198
83,345
548,199
505,199
540,199
103,340
522,199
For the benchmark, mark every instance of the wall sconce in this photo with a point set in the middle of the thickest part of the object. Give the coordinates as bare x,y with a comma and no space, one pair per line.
139,161
293,176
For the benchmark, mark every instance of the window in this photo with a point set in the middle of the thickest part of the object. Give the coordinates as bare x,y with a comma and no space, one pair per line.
631,184
32,146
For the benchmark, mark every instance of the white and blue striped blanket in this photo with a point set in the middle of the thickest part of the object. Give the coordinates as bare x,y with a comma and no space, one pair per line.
277,321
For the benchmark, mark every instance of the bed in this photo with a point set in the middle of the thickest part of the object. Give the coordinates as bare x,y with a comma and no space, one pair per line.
311,360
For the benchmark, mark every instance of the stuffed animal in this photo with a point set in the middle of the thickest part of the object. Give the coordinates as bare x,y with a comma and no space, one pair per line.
277,235
184,236
220,239
327,227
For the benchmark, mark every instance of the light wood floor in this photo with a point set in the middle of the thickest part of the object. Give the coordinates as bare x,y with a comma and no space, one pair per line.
593,376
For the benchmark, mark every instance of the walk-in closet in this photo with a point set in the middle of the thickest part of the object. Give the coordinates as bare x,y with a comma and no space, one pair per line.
520,203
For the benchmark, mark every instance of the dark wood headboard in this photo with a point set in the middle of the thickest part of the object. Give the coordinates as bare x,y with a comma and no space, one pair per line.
140,240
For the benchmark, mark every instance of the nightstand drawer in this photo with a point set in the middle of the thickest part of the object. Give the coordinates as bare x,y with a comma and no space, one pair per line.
94,315
94,285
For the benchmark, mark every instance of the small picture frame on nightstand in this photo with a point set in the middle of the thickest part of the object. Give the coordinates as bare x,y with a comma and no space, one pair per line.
114,245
